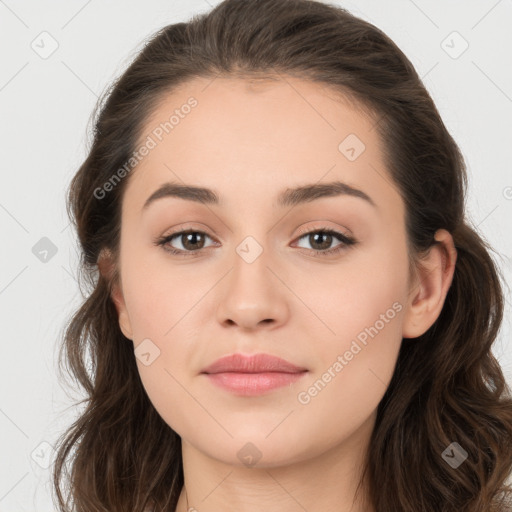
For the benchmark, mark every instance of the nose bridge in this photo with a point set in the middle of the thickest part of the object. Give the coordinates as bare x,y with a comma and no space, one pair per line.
252,293
251,232
253,256
255,244
251,248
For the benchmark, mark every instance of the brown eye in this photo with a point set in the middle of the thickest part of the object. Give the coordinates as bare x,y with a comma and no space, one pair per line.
321,240
190,241
193,241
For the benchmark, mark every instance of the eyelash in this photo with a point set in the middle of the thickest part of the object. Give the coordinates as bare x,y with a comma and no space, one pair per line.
347,242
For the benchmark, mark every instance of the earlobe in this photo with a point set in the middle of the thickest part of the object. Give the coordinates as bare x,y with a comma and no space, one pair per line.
106,267
428,294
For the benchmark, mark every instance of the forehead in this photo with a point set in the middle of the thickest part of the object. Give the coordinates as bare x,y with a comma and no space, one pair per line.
254,137
253,105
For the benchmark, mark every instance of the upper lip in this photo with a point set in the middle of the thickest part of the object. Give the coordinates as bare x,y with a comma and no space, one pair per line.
257,363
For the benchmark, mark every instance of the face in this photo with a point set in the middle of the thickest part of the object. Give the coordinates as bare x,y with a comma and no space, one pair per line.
318,277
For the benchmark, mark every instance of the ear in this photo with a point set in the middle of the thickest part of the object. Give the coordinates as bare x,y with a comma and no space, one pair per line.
428,292
107,267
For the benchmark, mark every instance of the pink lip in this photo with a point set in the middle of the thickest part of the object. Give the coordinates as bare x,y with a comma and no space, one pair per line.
252,375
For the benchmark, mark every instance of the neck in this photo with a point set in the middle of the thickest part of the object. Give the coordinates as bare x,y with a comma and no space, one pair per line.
326,482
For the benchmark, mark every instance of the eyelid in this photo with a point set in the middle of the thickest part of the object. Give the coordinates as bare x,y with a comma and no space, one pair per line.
320,226
187,226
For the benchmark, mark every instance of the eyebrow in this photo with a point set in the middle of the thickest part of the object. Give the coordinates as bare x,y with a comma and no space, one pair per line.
288,197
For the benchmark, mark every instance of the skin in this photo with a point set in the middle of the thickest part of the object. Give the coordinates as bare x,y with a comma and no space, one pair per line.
249,141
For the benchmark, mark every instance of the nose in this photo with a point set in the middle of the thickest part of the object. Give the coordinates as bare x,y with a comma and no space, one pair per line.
253,295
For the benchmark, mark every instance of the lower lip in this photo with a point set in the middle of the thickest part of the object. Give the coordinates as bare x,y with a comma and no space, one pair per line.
250,384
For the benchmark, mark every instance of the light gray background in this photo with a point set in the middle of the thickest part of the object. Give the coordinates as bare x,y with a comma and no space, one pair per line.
45,108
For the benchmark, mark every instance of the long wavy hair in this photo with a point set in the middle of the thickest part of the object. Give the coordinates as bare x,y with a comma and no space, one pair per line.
119,454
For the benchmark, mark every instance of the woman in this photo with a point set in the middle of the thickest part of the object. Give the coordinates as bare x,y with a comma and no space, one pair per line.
288,309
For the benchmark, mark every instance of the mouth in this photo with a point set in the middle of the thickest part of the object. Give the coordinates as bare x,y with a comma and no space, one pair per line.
254,374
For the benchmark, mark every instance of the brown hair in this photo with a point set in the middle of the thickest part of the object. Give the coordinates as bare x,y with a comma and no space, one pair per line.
447,385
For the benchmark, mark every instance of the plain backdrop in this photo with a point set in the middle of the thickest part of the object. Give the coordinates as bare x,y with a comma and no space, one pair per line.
58,56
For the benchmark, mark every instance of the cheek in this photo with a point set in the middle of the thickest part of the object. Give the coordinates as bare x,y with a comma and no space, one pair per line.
160,303
157,303
364,311
157,295
345,299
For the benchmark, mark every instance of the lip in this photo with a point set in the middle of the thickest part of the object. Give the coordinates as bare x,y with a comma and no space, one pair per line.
254,374
257,363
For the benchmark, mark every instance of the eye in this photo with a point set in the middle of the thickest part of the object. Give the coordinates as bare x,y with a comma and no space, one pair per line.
323,238
191,241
